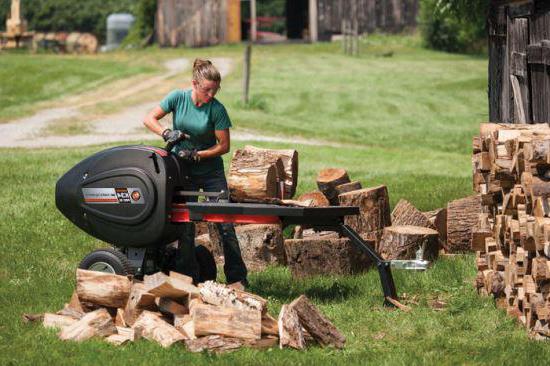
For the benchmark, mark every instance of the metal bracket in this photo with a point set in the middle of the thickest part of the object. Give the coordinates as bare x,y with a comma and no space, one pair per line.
135,257
384,267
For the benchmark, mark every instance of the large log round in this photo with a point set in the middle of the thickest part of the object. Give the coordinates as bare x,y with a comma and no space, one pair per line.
318,199
374,206
289,158
327,181
403,242
462,216
252,177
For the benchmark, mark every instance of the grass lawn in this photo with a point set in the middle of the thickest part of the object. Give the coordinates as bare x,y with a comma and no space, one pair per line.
405,121
28,79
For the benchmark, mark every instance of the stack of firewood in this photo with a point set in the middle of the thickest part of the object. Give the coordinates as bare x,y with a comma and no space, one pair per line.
511,171
169,309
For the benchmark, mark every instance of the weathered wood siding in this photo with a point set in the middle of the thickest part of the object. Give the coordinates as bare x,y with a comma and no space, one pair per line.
383,15
194,23
519,61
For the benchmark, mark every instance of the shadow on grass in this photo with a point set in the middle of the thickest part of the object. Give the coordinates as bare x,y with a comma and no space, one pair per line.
277,284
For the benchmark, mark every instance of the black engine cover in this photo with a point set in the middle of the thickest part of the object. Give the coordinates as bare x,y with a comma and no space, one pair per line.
123,195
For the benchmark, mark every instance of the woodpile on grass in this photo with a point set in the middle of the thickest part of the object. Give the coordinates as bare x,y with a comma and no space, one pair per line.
169,310
511,236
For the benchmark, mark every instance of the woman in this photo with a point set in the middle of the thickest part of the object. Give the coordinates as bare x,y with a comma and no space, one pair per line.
198,114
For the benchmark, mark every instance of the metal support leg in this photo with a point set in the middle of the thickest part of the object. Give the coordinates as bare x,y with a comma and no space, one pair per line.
384,269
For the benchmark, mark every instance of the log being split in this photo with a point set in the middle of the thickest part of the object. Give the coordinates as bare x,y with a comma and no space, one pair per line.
327,181
289,159
253,176
403,242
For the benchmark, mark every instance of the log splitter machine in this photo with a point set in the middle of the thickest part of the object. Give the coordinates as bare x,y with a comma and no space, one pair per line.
132,198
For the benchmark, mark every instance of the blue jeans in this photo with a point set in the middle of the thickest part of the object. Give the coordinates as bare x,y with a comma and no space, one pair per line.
186,262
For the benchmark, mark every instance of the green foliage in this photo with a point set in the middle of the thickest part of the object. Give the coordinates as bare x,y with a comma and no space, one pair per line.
69,15
144,25
454,25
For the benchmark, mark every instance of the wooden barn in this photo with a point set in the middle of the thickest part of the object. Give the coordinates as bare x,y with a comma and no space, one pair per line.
519,61
196,23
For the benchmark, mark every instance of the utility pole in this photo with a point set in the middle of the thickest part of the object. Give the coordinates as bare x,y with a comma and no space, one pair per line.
253,28
313,30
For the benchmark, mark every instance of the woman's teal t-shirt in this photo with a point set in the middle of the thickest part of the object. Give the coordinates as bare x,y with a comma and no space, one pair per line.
199,123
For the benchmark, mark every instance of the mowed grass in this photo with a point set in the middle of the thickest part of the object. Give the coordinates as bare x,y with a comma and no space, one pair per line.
405,121
28,79
40,250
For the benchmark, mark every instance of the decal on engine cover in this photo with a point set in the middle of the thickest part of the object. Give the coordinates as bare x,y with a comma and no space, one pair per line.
113,195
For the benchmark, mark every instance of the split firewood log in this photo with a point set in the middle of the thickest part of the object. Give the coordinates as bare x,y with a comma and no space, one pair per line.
289,159
97,323
253,176
138,301
221,295
162,285
403,242
226,321
57,321
462,215
290,329
317,325
104,289
152,327
327,181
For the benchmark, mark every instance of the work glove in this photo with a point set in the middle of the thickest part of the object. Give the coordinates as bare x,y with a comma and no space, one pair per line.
190,156
172,136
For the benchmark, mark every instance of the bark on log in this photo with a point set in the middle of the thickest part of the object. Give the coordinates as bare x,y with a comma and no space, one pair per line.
102,288
153,328
403,242
290,329
97,323
348,187
226,321
253,177
374,206
214,343
289,159
221,295
310,257
405,213
317,325
462,215
327,181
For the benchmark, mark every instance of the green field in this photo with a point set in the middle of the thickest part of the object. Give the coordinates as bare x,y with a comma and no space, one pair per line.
405,121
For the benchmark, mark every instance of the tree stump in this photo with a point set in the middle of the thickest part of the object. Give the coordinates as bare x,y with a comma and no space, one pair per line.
315,256
328,180
374,206
253,176
462,215
402,242
405,213
289,159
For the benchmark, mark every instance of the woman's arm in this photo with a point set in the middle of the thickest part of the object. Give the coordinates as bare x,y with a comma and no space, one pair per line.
151,121
222,147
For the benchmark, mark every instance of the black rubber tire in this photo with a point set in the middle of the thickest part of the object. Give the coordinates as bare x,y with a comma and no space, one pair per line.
207,264
111,256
